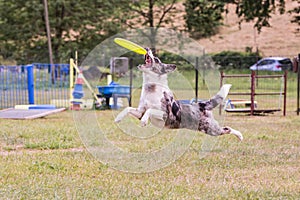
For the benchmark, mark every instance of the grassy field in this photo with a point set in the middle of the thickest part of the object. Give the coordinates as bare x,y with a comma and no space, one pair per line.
45,159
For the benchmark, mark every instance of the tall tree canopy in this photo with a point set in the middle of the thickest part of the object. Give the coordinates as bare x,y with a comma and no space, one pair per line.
203,17
296,14
148,13
74,25
258,11
80,25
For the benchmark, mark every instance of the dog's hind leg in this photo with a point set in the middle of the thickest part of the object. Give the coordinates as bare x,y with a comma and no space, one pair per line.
129,110
211,127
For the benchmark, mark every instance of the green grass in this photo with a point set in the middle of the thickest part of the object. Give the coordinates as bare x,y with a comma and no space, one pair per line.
45,159
54,132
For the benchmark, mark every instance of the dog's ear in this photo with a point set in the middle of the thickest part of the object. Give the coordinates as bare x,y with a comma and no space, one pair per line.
170,67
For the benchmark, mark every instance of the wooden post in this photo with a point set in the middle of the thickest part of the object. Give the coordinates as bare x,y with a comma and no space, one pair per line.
298,84
130,80
221,78
252,91
49,40
196,84
284,90
257,59
204,65
221,84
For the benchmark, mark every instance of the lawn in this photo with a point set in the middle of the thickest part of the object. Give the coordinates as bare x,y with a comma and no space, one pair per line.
45,159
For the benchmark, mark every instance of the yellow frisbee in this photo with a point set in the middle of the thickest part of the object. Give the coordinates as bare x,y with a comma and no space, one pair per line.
130,45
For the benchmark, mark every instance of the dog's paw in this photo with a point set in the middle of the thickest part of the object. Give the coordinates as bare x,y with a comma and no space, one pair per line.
121,115
144,123
118,118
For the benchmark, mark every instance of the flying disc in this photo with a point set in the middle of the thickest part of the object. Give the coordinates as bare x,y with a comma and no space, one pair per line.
130,45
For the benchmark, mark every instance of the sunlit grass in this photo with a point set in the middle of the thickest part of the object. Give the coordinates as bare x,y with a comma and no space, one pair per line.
264,166
46,159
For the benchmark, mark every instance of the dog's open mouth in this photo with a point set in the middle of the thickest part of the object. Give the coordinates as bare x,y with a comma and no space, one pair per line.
148,59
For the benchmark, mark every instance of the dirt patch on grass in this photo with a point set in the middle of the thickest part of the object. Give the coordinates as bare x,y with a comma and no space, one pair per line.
19,150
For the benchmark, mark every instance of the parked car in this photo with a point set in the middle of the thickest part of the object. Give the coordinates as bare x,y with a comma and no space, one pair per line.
273,64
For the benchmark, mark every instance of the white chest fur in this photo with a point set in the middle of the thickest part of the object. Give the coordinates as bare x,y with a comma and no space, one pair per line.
152,91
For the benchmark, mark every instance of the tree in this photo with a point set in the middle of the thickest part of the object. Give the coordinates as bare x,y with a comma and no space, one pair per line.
149,13
296,12
80,25
75,25
258,11
203,17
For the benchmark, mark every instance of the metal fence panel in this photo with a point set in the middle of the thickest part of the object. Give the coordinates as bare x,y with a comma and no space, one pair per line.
48,85
15,84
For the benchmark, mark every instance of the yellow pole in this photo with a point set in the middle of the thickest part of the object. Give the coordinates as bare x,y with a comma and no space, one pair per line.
76,58
73,65
87,83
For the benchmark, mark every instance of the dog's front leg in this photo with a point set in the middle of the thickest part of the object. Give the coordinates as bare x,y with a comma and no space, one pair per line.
129,110
152,114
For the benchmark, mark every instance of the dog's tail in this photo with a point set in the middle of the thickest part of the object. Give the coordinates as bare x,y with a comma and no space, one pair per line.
217,99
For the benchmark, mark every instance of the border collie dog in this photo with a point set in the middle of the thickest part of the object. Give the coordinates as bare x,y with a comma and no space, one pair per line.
158,104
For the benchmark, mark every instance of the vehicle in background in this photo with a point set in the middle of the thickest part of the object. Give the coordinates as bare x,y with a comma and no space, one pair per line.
273,64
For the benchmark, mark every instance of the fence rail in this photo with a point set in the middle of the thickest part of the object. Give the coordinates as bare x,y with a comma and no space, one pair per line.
254,91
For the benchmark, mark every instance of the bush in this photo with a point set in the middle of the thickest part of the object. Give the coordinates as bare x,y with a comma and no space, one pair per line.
235,60
179,61
226,60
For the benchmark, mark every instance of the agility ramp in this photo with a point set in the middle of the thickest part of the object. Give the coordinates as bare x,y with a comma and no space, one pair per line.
21,113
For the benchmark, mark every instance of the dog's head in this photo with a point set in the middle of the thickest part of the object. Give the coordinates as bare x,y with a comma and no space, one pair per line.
154,65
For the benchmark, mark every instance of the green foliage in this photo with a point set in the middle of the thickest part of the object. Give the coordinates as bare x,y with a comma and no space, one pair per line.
149,13
296,12
176,59
258,10
80,25
75,25
226,60
203,14
235,60
203,17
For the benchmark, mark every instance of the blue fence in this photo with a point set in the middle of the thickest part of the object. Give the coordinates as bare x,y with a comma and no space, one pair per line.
13,85
37,83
